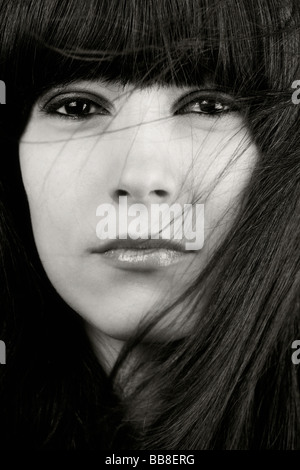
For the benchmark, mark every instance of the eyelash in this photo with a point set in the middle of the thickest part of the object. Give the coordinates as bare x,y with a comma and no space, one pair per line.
53,108
219,110
223,105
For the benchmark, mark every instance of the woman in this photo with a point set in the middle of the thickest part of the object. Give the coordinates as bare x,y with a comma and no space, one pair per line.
123,343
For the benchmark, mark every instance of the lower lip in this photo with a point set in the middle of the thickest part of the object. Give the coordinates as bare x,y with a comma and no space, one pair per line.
148,258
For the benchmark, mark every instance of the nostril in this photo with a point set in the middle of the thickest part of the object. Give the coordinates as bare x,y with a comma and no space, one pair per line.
121,192
139,195
160,193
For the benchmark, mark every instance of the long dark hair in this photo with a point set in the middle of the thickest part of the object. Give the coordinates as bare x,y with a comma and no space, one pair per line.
229,384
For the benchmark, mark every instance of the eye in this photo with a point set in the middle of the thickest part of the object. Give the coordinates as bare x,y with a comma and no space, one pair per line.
76,107
208,106
211,105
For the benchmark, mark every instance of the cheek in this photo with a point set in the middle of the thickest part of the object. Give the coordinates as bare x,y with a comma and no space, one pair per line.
221,157
223,165
53,183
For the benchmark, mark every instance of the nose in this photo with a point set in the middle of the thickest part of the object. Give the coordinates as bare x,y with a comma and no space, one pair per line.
146,176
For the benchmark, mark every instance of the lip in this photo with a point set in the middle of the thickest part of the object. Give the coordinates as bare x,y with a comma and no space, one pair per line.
142,254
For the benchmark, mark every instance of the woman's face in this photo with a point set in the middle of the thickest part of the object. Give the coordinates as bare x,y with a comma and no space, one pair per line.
88,143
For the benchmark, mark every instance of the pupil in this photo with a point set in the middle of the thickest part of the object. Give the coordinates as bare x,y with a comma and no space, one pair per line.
210,106
77,107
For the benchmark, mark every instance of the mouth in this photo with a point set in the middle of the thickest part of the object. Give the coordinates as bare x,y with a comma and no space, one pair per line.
142,254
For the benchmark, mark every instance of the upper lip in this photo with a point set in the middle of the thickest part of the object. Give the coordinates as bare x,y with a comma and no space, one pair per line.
139,244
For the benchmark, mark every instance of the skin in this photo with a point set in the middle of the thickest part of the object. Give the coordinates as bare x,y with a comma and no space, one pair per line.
138,142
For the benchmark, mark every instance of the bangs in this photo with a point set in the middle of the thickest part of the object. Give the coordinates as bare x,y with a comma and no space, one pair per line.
238,45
